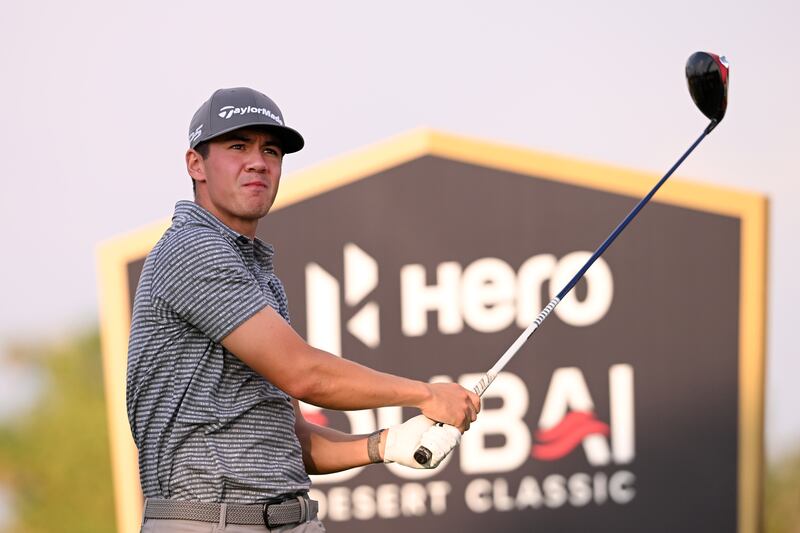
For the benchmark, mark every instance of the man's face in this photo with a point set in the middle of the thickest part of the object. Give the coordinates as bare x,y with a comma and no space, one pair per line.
238,181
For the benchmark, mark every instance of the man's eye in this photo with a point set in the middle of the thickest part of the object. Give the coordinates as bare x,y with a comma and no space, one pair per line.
237,146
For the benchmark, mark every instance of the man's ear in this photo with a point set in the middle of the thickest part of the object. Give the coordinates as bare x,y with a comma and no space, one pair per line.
195,165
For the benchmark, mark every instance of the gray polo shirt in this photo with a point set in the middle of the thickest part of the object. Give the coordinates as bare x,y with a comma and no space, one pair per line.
208,428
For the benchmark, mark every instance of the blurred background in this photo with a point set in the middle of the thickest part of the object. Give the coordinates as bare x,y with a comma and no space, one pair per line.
97,98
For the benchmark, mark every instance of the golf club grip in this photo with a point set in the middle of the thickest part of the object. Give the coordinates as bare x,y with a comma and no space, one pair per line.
483,383
423,454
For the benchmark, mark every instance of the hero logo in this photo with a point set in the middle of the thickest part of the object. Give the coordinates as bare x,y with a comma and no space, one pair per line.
228,111
487,295
323,324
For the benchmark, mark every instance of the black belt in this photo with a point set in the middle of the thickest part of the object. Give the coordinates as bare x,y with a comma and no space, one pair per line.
291,511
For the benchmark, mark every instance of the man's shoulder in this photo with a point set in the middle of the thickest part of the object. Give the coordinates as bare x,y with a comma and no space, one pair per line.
191,237
190,246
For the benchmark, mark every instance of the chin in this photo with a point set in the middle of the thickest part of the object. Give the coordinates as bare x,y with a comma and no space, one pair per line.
253,207
258,212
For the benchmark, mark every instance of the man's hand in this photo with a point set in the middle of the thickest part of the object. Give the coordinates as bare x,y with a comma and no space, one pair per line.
403,440
451,404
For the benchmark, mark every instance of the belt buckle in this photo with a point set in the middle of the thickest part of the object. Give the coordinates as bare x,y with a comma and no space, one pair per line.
265,513
303,509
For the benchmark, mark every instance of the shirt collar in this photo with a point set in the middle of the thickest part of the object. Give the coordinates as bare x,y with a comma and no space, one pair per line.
191,210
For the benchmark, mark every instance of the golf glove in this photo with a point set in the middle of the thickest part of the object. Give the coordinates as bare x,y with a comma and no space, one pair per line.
403,440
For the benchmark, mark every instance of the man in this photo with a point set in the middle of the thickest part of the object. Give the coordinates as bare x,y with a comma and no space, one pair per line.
215,371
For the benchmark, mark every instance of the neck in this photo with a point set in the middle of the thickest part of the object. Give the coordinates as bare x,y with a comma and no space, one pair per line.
246,227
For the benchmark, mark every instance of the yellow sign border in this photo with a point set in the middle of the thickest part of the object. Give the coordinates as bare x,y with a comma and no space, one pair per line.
751,209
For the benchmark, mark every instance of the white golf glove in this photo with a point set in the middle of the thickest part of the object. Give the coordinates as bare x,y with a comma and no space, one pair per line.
403,440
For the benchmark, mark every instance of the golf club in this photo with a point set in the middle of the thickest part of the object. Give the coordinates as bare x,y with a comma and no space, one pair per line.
707,77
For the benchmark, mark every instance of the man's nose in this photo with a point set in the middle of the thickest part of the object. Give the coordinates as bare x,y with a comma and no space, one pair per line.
255,161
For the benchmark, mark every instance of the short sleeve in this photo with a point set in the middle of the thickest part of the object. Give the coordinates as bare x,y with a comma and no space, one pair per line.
201,276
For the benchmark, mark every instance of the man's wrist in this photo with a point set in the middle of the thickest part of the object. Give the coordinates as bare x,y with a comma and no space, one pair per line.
425,395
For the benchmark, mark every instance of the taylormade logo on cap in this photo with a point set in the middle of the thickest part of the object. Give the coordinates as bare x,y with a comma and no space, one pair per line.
228,111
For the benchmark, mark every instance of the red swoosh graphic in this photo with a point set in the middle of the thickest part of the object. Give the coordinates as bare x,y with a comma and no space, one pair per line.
563,438
316,417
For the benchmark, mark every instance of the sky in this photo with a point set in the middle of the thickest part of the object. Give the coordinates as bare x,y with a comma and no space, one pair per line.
97,98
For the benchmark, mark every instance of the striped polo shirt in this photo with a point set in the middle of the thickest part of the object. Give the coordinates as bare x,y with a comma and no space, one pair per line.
208,428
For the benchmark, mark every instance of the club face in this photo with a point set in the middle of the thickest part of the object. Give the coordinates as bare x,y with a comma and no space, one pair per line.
707,76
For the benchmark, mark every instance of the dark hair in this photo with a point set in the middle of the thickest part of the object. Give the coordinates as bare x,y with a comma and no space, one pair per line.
202,149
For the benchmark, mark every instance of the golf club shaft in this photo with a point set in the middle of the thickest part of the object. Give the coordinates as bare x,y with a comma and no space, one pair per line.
484,382
480,387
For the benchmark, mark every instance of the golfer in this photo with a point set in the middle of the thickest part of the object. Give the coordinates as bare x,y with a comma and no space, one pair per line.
215,371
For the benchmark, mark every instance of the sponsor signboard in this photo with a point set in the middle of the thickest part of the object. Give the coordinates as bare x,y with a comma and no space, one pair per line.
638,406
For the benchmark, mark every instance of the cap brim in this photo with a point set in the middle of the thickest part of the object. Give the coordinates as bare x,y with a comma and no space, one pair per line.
291,140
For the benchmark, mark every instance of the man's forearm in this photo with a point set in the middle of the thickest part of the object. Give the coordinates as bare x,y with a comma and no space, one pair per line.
326,450
335,383
268,345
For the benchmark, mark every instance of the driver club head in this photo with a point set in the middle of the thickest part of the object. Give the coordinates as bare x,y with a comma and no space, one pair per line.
707,76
